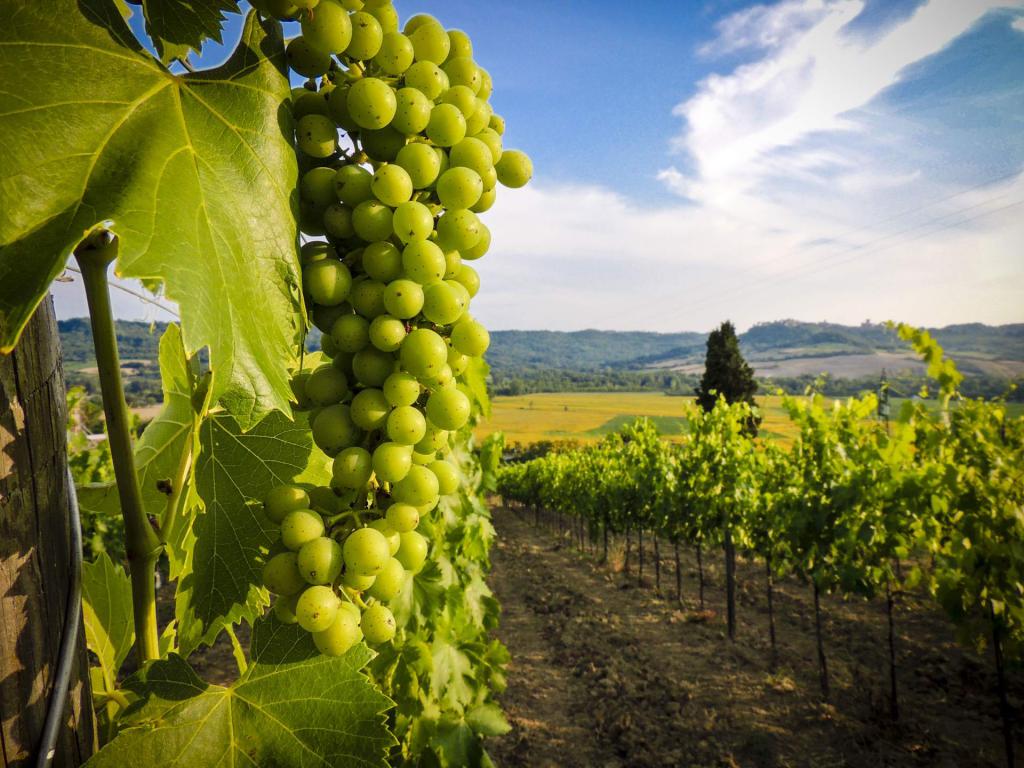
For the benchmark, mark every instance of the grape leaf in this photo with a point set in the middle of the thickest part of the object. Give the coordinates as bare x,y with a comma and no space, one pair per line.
194,174
107,612
292,707
178,27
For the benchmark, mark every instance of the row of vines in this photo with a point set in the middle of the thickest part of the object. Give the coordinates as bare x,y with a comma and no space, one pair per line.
857,505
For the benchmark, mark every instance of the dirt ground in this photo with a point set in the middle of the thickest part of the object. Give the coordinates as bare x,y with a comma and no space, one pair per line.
608,675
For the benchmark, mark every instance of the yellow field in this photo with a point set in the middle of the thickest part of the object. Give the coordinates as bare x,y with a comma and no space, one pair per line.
588,416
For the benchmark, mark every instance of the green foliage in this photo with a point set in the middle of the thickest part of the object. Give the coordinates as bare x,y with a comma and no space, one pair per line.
726,373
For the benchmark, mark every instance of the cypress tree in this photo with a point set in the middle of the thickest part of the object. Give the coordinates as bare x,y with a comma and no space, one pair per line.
726,373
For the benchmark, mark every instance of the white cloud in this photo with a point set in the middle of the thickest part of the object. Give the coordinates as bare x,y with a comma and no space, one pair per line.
1018,24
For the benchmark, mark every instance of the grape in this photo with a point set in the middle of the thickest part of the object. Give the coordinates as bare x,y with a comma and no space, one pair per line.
326,386
281,575
388,18
327,346
468,277
300,527
320,561
338,221
423,352
493,142
486,84
514,168
350,5
401,389
403,517
387,333
459,188
442,380
344,633
430,42
478,119
406,425
423,262
329,29
396,53
421,162
448,409
403,299
447,476
351,333
357,581
317,135
366,551
372,220
337,108
452,263
367,37
317,186
352,185
334,430
394,541
470,338
497,124
317,607
412,221
284,608
378,624
298,385
316,251
418,487
459,229
477,251
305,59
447,125
285,10
371,103
412,111
415,22
372,367
413,551
370,409
367,297
426,77
472,153
284,499
461,45
392,185
463,71
441,304
324,501
311,218
352,468
327,281
433,441
383,145
486,200
461,97
308,103
391,462
389,581
423,459
382,260
457,361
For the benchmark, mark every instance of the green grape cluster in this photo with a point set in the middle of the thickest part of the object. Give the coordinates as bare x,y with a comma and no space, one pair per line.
399,151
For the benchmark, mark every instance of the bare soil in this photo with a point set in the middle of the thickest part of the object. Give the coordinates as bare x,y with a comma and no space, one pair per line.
606,674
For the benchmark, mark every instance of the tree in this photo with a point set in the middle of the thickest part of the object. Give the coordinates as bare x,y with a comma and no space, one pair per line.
726,373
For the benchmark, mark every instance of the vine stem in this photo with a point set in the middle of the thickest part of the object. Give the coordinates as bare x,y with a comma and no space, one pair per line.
141,545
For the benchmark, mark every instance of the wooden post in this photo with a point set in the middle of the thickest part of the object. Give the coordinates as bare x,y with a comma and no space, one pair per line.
35,551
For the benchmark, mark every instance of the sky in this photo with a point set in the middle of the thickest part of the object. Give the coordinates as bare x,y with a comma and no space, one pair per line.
703,160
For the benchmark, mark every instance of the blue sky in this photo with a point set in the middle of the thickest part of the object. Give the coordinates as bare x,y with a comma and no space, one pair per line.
819,159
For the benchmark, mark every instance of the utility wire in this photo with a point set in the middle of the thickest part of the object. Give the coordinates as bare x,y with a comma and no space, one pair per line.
136,294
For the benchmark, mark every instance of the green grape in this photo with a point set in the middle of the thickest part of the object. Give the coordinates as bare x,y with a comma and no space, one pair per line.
403,517
378,625
329,29
486,200
486,84
285,10
317,607
442,156
304,4
459,229
311,219
468,277
470,338
327,281
326,386
306,102
337,108
352,468
415,22
463,71
305,59
459,188
299,527
448,409
359,582
281,574
435,440
327,345
472,153
298,385
493,142
442,305
482,245
447,476
343,362
452,263
423,459
382,260
423,353
372,221
413,552
514,168
351,333
283,499
447,125
316,250
457,361
334,430
412,111
366,551
320,561
403,298
391,462
423,262
394,541
401,388
371,103
338,220
421,162
340,636
284,608
372,366
317,135
460,291
406,425
478,119
367,37
370,409
430,42
392,185
389,581
323,500
351,5
426,77
418,487
460,43
461,97
497,124
387,333
396,53
352,185
443,380
412,221
386,14
383,145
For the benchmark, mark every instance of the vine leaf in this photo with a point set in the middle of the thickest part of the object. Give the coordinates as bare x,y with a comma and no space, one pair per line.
292,707
107,613
178,27
194,174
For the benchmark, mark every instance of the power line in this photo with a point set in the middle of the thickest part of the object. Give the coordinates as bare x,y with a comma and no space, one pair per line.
136,294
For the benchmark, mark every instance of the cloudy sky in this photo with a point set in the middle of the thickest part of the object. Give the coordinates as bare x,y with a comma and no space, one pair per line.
836,160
